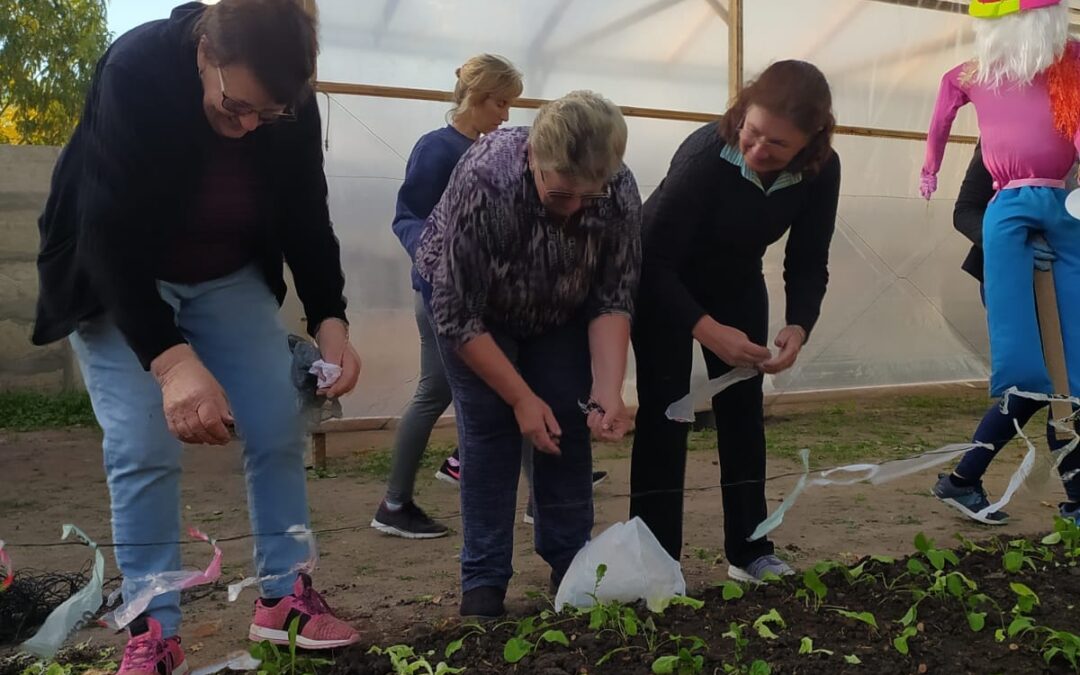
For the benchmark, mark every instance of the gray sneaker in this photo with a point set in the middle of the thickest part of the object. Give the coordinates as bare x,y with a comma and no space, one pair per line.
757,571
967,500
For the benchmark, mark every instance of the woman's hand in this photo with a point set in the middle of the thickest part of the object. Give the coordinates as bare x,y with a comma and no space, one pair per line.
537,423
731,345
608,419
790,340
333,340
196,409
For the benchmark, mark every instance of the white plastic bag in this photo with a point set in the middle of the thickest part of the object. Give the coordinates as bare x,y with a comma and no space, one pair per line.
638,568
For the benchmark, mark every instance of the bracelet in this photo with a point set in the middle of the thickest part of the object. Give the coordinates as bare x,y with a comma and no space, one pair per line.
591,406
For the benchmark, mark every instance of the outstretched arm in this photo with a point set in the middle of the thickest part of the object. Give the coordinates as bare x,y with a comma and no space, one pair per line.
951,97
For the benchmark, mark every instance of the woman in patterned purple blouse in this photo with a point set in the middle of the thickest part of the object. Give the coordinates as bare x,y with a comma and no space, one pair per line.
531,261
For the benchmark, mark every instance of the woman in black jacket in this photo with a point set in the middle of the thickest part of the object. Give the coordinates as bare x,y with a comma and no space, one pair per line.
196,170
734,187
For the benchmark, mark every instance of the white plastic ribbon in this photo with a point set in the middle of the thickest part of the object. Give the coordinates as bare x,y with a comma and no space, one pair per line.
239,661
683,409
298,532
74,612
139,591
875,474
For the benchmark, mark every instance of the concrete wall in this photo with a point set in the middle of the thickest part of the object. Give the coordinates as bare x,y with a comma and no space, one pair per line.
24,185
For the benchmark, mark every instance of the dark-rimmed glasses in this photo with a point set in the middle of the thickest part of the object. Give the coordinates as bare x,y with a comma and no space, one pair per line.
243,109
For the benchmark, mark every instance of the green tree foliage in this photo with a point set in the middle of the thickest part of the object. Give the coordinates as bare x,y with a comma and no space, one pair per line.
48,50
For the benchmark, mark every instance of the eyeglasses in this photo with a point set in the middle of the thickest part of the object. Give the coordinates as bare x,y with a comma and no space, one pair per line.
565,195
242,108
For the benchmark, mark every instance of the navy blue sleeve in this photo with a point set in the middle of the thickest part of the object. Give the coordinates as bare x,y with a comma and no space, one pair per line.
426,176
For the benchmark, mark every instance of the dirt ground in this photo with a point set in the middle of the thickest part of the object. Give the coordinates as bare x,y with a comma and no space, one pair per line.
386,585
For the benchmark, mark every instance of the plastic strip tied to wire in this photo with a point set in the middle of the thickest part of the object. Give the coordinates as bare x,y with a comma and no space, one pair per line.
300,533
139,591
887,471
683,409
74,612
7,567
875,474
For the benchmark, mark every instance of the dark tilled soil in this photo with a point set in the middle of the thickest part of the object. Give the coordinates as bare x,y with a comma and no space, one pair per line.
945,643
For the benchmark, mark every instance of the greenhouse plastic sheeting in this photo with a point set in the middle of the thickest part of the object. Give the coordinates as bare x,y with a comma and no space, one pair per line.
899,310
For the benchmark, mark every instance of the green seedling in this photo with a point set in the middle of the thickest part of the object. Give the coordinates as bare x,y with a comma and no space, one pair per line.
806,646
761,624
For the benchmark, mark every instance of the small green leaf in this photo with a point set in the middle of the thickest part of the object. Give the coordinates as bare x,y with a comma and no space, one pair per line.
596,617
443,669
1023,591
731,591
601,570
813,582
761,624
977,620
758,667
1013,560
806,646
922,544
900,644
865,617
936,558
909,617
687,601
1020,624
999,635
956,588
454,647
1052,539
883,559
665,665
852,659
516,649
915,566
556,636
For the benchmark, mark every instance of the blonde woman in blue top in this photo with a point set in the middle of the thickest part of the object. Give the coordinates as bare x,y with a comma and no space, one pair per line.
486,86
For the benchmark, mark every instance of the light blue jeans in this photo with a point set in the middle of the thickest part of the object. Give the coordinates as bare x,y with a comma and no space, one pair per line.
232,324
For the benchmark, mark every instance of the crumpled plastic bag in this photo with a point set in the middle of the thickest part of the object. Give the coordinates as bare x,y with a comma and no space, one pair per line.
74,612
309,374
638,568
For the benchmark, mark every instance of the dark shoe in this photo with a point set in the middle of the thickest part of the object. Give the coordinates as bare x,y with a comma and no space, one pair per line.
598,477
409,522
484,602
968,500
450,471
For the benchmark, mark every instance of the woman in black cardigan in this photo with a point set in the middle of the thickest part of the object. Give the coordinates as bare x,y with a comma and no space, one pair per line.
733,188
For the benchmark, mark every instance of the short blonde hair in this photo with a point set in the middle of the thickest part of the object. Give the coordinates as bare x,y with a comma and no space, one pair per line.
482,76
581,135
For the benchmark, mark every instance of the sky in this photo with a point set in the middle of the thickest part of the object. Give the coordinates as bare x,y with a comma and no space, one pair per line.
126,14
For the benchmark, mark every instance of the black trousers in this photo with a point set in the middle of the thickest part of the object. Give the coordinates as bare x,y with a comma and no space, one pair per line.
664,354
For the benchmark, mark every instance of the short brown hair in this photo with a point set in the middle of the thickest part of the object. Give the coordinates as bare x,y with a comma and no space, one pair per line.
276,39
582,135
798,91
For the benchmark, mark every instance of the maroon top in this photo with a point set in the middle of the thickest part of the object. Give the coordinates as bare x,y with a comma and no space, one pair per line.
218,237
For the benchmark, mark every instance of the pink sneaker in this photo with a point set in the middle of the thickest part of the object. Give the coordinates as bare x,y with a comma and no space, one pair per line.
319,628
149,654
